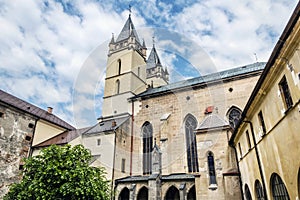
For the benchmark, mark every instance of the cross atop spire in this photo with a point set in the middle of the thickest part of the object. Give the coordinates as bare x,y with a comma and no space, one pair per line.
129,9
153,41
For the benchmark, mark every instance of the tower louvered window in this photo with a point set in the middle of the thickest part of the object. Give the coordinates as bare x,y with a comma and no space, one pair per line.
191,144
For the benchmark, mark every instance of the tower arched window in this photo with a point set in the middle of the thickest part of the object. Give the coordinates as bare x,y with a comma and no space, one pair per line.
278,188
234,115
191,144
119,66
117,86
147,133
211,169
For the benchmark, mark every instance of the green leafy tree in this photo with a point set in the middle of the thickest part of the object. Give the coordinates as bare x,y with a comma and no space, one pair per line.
60,173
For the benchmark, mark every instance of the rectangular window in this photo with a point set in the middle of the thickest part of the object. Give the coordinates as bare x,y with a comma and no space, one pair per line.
262,122
240,149
1,114
99,142
285,93
123,165
248,139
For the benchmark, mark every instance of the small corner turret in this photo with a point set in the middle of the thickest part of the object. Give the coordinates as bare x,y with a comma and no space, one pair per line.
156,74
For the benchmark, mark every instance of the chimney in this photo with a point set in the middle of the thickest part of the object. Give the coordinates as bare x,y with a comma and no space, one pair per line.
113,123
49,110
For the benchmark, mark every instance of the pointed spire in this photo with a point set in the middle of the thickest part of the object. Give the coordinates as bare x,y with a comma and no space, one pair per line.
153,59
112,38
127,31
166,71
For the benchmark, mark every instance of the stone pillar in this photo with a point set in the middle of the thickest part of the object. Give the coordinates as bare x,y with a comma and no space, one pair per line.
182,191
154,183
132,192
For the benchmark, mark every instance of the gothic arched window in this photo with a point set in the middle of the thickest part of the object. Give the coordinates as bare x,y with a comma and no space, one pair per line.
147,132
119,66
211,168
191,144
278,188
234,115
117,86
259,190
247,193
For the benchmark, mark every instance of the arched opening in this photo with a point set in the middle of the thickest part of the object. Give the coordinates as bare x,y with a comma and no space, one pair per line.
143,194
124,195
147,133
247,193
279,191
259,190
119,66
234,115
192,193
117,86
191,143
211,169
172,194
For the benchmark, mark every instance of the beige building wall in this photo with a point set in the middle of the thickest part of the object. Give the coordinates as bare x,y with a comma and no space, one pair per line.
278,147
102,149
44,131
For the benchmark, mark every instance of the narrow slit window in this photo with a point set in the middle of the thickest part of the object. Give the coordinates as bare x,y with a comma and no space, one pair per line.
211,169
285,93
248,139
262,122
123,165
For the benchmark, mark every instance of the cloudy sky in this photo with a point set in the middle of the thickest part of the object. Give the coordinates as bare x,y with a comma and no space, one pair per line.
53,53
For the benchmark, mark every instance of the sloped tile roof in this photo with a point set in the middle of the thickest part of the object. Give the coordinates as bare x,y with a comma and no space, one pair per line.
212,121
33,110
63,138
202,80
106,125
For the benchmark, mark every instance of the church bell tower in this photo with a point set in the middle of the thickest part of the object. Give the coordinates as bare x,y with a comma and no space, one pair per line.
125,71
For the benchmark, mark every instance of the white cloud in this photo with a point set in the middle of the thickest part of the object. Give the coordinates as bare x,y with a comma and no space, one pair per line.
44,48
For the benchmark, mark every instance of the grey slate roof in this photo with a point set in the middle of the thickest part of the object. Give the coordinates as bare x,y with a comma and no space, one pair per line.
106,125
33,110
127,30
212,121
170,177
153,59
201,80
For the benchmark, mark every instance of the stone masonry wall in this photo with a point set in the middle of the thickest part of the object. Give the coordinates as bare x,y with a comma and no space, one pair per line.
16,131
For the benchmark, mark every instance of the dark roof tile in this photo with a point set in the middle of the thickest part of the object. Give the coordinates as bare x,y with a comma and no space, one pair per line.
33,110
